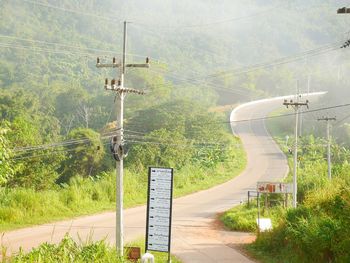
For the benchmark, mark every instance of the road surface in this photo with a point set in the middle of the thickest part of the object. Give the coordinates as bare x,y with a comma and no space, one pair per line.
193,237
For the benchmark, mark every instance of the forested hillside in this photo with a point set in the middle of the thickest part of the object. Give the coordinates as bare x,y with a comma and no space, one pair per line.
57,120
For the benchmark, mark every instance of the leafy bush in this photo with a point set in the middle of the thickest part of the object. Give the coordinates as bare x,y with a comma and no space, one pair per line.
86,155
69,250
316,231
243,218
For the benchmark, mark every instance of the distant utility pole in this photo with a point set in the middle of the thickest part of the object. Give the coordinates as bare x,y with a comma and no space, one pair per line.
296,105
328,119
118,147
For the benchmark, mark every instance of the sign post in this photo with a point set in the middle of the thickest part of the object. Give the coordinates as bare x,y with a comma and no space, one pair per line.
270,188
274,188
159,210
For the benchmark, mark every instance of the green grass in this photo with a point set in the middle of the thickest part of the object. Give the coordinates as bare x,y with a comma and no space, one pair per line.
68,251
24,207
318,229
243,217
21,207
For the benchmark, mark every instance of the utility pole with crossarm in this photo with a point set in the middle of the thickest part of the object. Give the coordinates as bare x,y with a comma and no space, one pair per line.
328,119
117,145
296,105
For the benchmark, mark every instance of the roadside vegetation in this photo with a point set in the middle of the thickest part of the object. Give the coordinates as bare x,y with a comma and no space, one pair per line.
63,182
69,250
317,230
243,217
21,207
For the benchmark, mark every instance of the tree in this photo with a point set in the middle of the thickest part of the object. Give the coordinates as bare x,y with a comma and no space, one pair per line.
36,168
85,154
161,148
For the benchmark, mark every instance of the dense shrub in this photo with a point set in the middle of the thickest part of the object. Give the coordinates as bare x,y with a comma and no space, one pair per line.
316,231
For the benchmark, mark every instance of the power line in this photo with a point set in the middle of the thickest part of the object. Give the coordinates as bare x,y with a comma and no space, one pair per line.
41,155
102,16
156,139
247,70
216,145
77,141
112,19
254,146
59,144
229,20
341,120
289,114
46,154
65,52
46,50
244,70
84,13
273,117
166,143
276,62
74,11
195,82
172,144
58,44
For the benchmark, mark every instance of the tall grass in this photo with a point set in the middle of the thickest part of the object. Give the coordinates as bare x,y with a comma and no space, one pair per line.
318,229
243,217
21,207
68,251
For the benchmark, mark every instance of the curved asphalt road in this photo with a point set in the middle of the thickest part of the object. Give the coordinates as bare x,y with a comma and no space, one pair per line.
193,214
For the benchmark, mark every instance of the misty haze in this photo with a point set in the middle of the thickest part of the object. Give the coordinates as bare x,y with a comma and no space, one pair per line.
175,131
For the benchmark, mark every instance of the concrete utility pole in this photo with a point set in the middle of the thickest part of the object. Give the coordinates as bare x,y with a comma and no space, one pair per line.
296,105
328,119
118,148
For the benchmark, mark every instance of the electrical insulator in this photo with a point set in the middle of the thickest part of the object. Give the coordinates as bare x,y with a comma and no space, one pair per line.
113,82
98,60
119,82
346,44
114,60
343,10
147,60
106,82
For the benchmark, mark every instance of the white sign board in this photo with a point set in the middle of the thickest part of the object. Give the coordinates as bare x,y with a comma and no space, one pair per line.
159,209
274,187
264,224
